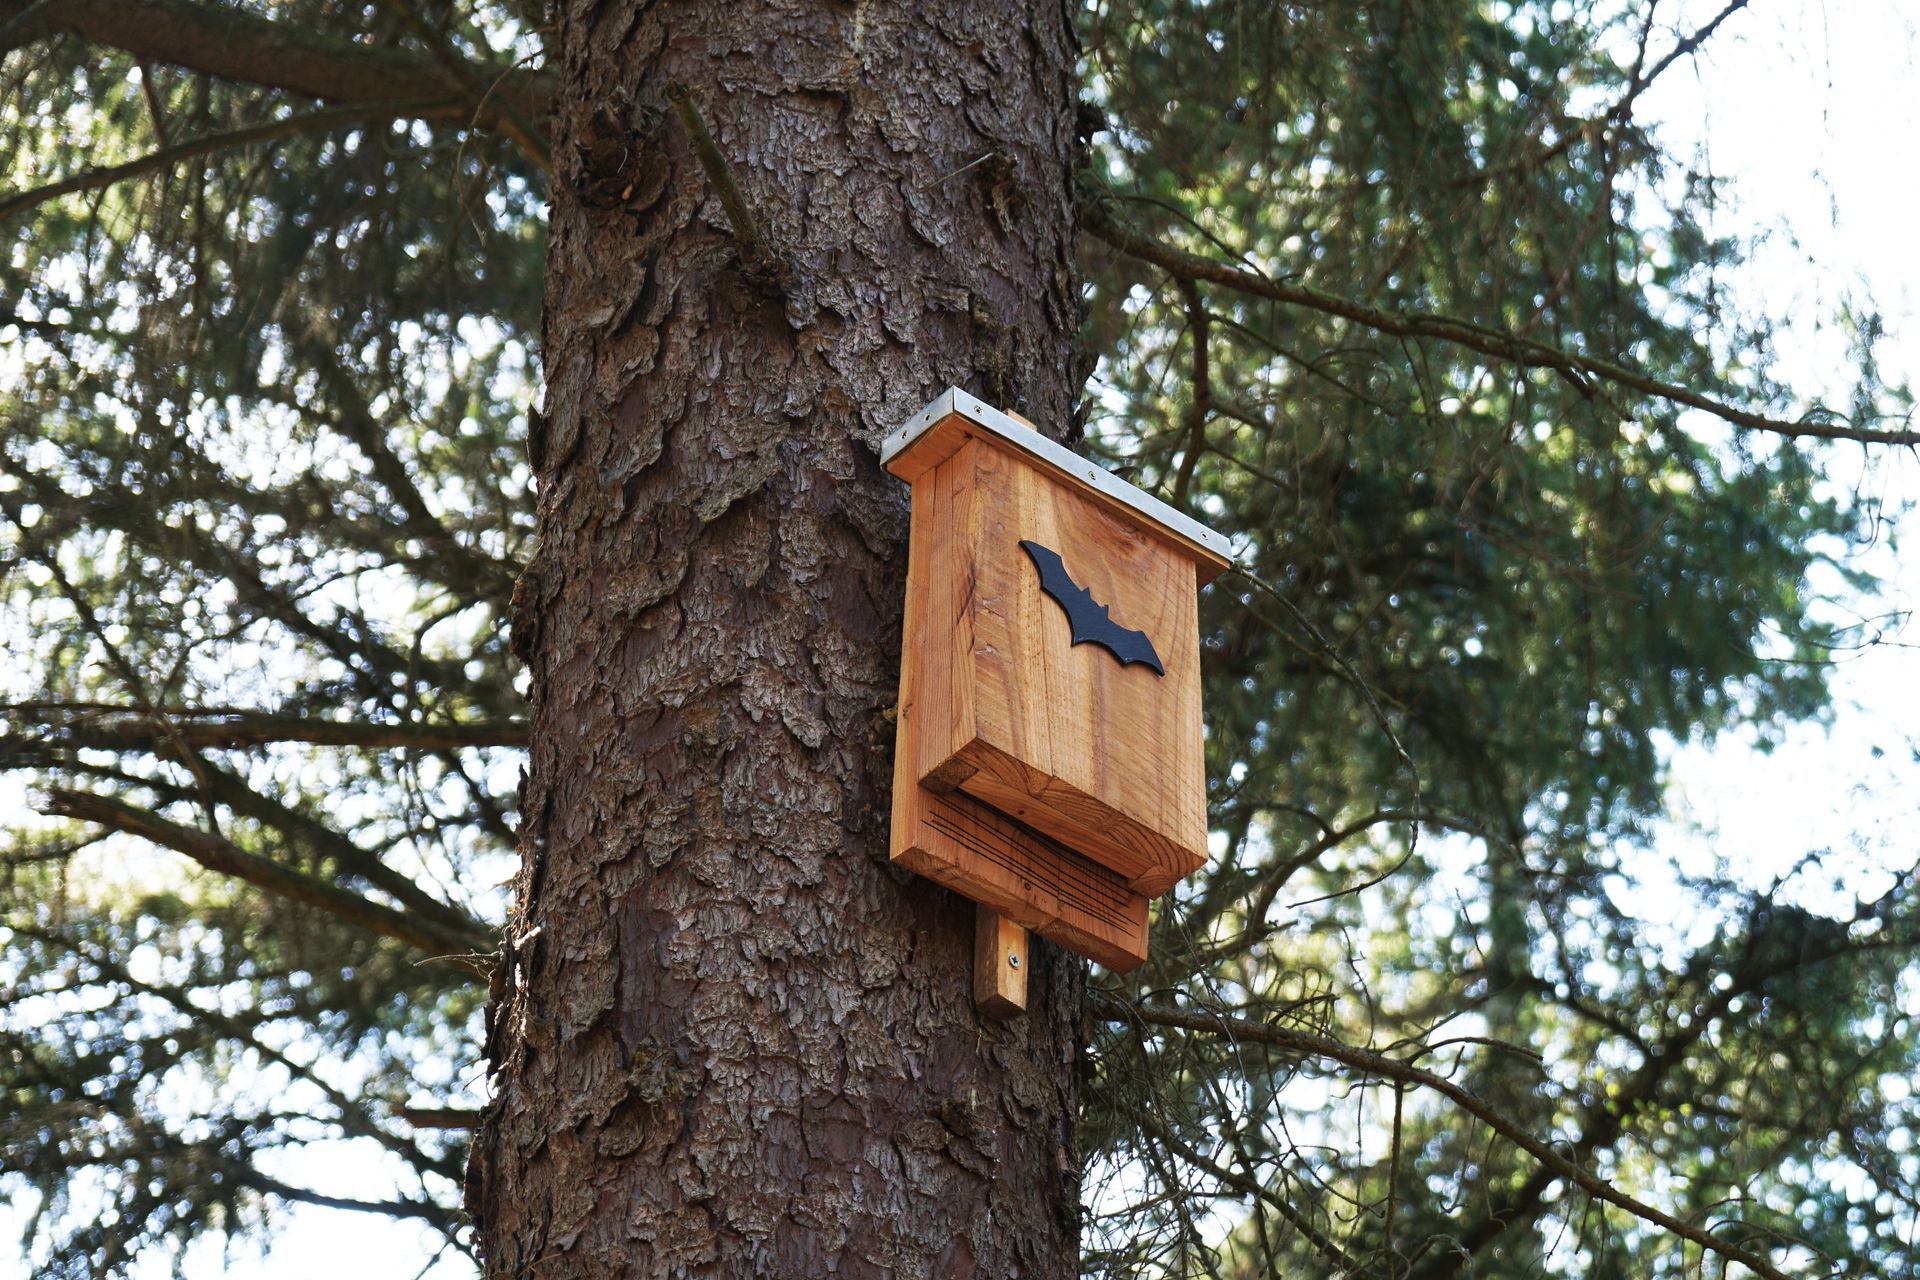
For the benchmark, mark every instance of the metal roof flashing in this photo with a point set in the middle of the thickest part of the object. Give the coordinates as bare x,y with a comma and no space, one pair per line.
1182,528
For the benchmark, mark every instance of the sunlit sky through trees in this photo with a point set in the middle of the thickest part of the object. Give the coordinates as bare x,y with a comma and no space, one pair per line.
1808,108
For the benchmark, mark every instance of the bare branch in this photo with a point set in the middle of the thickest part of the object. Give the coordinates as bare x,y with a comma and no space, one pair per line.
1306,1044
425,1210
221,855
1201,407
237,45
1505,347
116,728
166,157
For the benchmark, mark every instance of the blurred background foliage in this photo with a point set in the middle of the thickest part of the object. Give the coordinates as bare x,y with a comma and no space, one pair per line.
263,496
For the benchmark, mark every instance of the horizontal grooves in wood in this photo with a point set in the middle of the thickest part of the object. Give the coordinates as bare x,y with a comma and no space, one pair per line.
1077,882
1145,860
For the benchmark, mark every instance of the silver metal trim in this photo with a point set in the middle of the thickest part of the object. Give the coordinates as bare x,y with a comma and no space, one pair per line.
981,414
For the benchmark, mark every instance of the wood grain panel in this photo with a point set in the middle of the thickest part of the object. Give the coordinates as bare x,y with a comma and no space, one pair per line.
960,843
1062,737
1043,779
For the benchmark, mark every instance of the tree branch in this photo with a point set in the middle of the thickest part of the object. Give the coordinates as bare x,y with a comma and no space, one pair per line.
356,421
1201,407
221,855
1506,347
236,45
424,1210
757,256
1596,127
350,1117
166,157
348,856
438,1117
1344,1264
113,728
1306,1044
462,75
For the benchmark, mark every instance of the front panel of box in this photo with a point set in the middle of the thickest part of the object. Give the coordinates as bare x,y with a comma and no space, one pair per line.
1095,743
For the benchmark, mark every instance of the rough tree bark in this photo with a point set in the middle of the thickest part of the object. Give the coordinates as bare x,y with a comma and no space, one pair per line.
729,1039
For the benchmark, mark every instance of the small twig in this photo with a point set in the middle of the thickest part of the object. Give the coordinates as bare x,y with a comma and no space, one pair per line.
754,251
931,183
221,856
1201,407
438,1117
151,94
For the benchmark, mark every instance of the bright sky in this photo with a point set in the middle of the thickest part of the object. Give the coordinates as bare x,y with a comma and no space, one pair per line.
1809,108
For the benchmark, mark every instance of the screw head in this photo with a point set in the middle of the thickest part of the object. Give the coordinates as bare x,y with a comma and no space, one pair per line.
1013,961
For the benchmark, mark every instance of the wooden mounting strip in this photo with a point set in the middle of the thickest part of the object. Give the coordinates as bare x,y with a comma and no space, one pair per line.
999,964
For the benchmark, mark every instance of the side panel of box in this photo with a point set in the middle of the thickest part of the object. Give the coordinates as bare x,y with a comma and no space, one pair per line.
992,649
913,673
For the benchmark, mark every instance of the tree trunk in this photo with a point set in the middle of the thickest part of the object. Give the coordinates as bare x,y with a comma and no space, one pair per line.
729,1039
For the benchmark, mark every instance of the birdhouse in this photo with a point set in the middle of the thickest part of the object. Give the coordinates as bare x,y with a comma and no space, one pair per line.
1049,762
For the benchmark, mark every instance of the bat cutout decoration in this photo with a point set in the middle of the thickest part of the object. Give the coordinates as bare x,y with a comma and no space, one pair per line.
1090,622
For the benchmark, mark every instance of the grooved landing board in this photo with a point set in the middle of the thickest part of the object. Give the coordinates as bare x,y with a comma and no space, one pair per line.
1033,881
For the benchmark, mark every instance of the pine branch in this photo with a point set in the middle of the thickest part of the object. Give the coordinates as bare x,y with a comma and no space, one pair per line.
114,727
1606,1117
1506,347
347,855
424,1210
166,157
351,862
1306,1044
1596,127
236,45
350,639
462,75
221,855
351,1117
1344,1264
357,422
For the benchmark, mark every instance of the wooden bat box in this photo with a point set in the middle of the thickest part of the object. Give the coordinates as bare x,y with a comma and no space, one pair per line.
1049,762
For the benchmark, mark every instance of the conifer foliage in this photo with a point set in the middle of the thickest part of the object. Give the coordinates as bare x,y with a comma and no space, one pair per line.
1400,296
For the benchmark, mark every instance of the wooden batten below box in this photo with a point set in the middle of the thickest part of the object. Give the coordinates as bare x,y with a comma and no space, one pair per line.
1050,757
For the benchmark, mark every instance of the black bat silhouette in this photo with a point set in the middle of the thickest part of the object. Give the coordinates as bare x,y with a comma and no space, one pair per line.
1090,622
